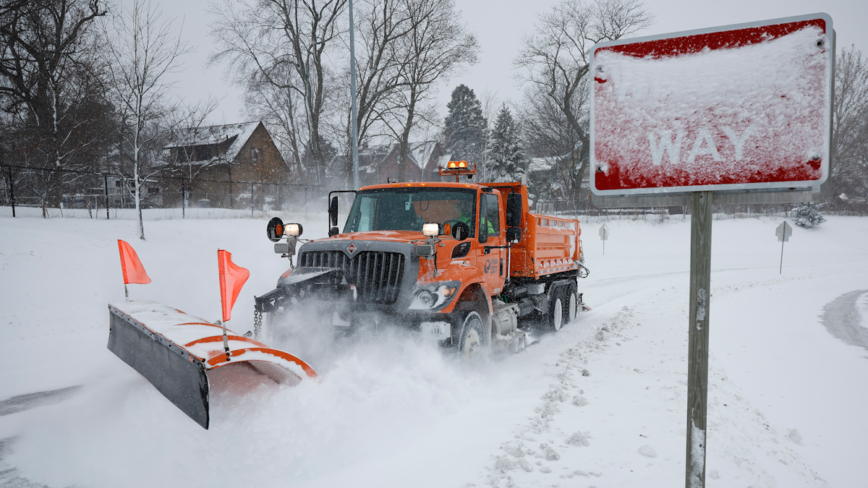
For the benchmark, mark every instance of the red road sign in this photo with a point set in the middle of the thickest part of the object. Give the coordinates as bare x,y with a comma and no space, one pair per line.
739,107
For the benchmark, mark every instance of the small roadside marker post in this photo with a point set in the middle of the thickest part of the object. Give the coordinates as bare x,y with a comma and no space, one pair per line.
784,231
604,236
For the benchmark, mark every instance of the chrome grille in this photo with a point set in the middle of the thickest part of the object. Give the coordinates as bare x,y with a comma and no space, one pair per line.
377,275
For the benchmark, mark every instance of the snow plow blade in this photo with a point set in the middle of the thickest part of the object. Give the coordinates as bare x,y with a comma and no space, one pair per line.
175,352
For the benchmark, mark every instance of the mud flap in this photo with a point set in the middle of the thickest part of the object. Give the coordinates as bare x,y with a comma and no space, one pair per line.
175,351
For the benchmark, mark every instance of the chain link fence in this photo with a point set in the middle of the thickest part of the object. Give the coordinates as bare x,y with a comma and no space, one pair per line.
62,193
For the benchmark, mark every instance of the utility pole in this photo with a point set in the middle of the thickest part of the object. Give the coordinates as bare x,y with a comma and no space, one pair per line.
353,119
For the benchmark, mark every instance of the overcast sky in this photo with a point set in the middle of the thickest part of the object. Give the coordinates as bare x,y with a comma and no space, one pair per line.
500,26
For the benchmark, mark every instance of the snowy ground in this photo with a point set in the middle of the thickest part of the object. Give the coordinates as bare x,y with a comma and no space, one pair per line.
601,403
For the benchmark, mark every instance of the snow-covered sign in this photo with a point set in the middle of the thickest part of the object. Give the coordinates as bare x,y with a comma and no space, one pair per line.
784,231
739,107
604,233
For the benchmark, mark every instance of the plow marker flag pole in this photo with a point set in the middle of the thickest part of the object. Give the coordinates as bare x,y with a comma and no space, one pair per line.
232,279
132,268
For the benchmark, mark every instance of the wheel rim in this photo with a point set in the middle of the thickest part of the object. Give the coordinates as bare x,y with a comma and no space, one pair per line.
471,342
573,306
558,315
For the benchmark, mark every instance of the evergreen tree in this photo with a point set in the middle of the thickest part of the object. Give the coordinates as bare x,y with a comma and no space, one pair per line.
506,159
465,127
807,215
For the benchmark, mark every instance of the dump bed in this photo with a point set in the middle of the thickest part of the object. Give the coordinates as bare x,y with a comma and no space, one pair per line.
549,244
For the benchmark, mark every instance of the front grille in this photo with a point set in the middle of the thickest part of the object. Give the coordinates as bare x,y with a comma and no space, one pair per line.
377,275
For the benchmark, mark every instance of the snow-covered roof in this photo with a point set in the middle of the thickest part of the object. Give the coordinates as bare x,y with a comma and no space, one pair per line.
444,160
216,134
541,164
421,153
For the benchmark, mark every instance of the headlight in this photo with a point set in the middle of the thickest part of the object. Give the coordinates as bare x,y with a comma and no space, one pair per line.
431,230
293,229
434,296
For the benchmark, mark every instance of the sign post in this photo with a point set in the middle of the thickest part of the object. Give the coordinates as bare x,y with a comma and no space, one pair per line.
735,114
784,231
604,236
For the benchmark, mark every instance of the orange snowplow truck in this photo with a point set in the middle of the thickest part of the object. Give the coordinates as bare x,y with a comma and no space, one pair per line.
464,264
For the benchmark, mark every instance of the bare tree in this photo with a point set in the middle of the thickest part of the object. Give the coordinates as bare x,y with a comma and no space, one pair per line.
435,47
141,50
381,26
48,84
555,59
850,125
281,45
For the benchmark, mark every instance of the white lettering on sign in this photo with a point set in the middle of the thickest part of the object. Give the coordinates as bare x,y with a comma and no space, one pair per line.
703,145
738,142
666,144
698,150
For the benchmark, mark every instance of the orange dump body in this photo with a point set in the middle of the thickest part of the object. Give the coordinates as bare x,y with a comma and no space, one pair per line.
548,244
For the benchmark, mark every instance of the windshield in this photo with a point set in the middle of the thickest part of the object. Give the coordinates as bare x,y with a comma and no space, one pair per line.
409,208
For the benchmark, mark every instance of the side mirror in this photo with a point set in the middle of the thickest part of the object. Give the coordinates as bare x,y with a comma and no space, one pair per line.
460,231
513,210
274,229
513,234
333,212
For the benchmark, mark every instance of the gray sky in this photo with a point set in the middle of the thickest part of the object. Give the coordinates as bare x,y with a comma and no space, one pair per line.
500,26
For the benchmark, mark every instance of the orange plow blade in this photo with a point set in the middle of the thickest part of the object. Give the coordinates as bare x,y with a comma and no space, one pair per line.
175,351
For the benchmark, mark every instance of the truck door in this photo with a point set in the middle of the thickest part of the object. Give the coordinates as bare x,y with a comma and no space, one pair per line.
493,264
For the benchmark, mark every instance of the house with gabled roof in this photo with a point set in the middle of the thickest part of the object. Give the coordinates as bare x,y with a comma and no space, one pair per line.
213,160
421,165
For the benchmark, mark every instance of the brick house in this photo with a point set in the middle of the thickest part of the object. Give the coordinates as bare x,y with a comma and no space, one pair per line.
219,163
421,165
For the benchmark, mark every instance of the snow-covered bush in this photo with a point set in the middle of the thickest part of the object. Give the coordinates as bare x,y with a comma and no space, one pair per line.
807,215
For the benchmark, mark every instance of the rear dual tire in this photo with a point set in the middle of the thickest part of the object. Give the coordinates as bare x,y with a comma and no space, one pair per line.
563,307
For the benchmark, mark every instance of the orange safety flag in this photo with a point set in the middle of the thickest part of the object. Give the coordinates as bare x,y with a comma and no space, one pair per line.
232,278
133,270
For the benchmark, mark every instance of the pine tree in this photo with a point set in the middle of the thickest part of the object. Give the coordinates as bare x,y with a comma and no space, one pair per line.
465,127
506,159
807,215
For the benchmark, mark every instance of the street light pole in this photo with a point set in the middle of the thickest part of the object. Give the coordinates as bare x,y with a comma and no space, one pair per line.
354,118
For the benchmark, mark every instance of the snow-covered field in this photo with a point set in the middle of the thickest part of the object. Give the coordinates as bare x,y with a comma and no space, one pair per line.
602,403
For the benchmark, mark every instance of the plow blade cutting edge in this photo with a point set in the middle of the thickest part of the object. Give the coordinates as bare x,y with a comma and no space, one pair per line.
175,351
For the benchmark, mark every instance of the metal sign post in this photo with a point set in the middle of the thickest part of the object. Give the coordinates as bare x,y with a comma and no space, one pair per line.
784,231
604,236
703,116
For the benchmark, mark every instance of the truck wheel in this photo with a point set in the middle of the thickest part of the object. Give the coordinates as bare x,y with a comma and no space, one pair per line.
470,341
572,303
556,310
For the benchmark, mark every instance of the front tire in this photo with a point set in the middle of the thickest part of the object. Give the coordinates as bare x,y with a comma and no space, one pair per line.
470,342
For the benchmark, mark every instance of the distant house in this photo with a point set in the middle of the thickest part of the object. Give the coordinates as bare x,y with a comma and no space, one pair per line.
215,160
421,164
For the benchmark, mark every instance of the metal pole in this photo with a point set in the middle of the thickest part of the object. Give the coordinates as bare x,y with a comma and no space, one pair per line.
183,198
354,122
781,270
251,199
230,187
697,364
105,181
11,190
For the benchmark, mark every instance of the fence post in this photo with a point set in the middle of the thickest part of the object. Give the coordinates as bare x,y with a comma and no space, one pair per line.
251,199
105,180
183,198
231,206
279,199
11,190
